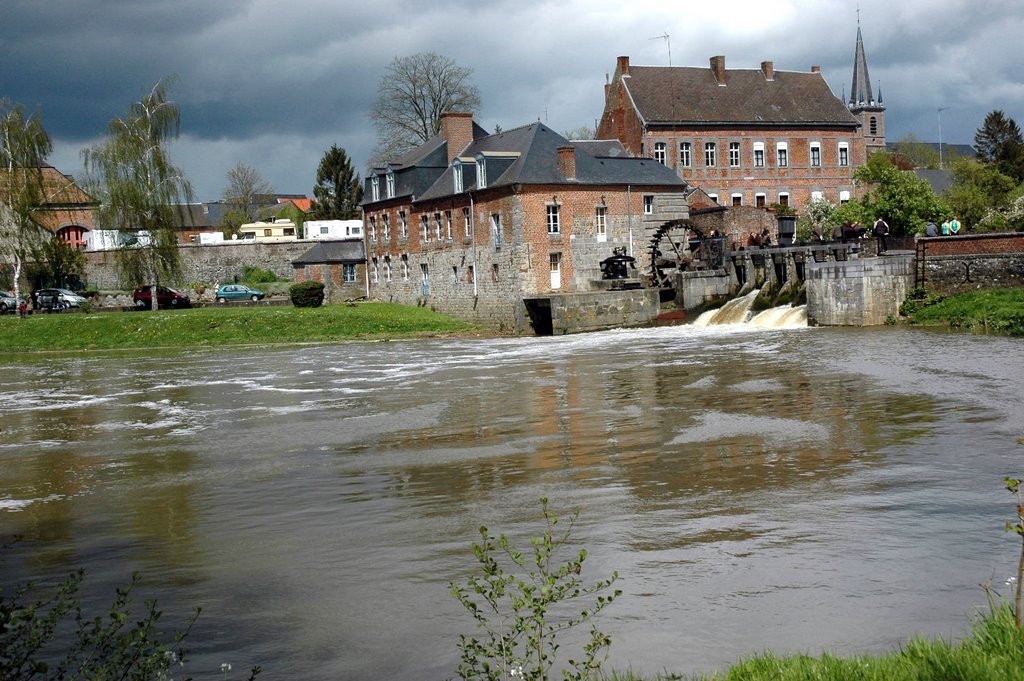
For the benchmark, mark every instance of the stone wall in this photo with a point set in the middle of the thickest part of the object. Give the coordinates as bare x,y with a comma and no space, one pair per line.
952,274
859,292
210,264
598,310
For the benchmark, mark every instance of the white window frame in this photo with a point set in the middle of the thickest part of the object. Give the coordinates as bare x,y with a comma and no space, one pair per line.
403,263
425,227
759,154
403,225
348,273
555,268
763,197
374,271
815,159
390,185
496,231
713,197
782,155
385,227
457,176
844,154
467,221
685,154
601,223
437,226
481,172
375,187
784,198
554,218
661,152
648,204
817,195
448,224
734,154
844,196
373,229
710,154
387,268
733,198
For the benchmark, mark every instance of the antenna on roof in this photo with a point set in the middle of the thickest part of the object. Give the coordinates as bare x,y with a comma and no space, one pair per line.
668,43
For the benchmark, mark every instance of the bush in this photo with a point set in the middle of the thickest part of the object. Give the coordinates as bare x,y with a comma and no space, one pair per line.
307,294
257,275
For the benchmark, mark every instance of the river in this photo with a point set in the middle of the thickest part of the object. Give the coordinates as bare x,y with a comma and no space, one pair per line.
799,489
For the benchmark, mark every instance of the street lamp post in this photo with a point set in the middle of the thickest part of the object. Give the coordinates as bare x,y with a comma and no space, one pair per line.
940,135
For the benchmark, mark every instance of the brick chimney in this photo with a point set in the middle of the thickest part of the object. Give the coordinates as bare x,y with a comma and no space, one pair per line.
718,68
567,161
768,69
623,66
815,69
457,130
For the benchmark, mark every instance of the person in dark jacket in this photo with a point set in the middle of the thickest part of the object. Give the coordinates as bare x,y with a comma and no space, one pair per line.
881,231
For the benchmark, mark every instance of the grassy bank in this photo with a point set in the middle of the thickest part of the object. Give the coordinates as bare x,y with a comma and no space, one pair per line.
994,650
991,311
211,326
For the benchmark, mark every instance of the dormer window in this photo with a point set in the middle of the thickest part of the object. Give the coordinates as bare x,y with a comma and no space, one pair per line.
457,176
481,172
390,185
375,188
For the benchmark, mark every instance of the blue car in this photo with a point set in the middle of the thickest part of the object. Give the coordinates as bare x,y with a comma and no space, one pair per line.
228,292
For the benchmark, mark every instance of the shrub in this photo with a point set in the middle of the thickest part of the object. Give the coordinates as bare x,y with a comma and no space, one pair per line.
257,275
307,294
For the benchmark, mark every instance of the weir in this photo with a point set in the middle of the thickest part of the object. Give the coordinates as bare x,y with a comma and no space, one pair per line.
739,311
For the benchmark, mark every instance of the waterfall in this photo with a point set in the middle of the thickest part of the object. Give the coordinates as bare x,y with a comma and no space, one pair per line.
737,311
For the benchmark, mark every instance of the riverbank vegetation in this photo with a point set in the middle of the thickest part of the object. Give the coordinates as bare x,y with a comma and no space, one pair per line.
214,326
990,311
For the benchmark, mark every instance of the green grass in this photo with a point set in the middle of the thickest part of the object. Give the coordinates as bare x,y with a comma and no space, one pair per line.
993,651
990,311
211,326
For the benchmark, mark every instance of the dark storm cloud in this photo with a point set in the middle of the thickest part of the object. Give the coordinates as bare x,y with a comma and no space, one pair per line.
273,84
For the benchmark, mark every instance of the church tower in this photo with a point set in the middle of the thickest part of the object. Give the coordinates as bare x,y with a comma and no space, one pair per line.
868,110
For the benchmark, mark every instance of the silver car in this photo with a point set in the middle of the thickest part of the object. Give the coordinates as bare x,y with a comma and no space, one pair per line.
8,303
56,299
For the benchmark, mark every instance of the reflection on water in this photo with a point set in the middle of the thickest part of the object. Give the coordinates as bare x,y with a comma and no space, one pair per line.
804,489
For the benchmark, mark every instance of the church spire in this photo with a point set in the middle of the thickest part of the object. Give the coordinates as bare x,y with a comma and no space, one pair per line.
860,90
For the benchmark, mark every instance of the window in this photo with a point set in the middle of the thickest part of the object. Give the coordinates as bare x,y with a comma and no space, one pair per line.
324,229
424,228
815,155
448,224
373,228
494,273
709,154
783,198
684,154
390,185
387,268
437,226
873,125
455,275
648,204
385,226
470,274
737,199
713,197
268,232
760,200
403,225
374,274
466,224
844,197
661,153
289,231
601,223
817,196
348,273
481,172
782,154
759,154
457,177
554,224
403,265
375,188
734,154
496,229
844,154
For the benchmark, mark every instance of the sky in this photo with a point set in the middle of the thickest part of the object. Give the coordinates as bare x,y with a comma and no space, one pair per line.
274,84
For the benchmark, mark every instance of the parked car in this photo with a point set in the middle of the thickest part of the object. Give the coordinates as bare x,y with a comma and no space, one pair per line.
228,292
166,297
56,299
8,303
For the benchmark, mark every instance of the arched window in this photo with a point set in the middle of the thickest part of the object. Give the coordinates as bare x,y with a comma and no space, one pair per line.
873,126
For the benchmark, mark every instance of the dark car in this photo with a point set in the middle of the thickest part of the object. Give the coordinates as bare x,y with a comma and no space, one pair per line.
165,297
228,292
51,299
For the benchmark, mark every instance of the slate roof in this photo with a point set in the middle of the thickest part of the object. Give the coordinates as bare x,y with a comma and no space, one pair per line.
529,155
347,251
59,190
691,96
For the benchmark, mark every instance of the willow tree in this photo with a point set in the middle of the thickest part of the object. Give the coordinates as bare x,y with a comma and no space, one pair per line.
142,189
24,146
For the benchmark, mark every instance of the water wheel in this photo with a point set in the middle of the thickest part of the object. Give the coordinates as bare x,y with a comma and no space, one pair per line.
671,250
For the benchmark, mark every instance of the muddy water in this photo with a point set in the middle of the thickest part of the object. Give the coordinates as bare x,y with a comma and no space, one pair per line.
803,489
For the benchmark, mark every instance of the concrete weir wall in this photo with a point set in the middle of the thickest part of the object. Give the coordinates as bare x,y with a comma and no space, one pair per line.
597,310
859,292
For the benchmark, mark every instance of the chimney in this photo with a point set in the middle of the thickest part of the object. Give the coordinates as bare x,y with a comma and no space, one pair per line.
768,69
623,66
457,130
815,69
718,68
567,161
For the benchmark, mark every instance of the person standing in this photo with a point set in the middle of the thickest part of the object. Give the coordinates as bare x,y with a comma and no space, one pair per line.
881,231
945,228
954,226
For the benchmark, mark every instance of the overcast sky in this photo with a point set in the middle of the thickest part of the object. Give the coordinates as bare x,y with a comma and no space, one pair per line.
273,84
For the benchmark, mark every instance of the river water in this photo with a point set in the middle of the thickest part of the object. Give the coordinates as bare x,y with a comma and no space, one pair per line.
799,490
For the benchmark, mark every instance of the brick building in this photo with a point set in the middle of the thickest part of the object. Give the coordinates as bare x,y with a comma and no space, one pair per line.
470,224
747,137
65,209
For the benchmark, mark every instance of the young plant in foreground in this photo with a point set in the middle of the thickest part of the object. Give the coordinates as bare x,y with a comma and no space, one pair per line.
1014,486
522,602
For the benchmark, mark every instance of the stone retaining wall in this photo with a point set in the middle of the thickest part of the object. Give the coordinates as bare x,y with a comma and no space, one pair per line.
860,292
594,311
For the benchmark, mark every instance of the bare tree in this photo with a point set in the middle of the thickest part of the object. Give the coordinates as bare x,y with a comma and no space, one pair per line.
411,96
583,132
24,146
246,188
141,187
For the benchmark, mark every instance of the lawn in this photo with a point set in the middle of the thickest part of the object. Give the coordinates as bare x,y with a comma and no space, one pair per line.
213,326
988,311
